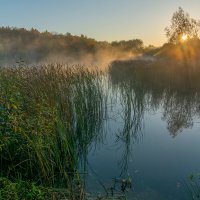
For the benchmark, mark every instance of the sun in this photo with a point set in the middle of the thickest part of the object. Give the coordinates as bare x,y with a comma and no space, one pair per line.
184,37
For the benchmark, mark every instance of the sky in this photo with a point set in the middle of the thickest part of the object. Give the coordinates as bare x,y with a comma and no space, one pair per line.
103,20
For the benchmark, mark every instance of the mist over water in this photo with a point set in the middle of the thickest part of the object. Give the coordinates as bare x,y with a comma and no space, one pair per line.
100,59
32,46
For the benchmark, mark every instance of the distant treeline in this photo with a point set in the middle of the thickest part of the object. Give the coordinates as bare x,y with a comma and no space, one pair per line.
31,45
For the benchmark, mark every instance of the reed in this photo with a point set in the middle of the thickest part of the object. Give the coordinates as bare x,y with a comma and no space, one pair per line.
49,117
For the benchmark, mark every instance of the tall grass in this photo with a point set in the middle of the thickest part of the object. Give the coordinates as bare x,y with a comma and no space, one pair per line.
49,117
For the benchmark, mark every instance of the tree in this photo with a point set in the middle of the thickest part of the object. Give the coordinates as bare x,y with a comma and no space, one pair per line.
182,26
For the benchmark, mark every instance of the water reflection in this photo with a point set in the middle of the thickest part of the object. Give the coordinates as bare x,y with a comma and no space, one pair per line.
148,85
131,131
138,89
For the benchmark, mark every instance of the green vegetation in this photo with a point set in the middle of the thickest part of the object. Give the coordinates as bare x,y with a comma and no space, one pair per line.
20,190
47,122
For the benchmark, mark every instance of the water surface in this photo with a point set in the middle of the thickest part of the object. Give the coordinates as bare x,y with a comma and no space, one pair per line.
151,136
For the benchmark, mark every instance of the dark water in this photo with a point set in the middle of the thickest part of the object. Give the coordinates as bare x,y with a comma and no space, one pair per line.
158,164
151,136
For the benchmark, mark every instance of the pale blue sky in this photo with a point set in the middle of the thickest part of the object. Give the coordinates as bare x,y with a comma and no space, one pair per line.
100,19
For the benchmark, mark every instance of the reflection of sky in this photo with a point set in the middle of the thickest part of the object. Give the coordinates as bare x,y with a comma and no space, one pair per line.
102,20
158,164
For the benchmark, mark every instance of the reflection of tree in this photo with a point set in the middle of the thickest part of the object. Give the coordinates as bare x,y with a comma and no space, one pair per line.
178,112
149,85
132,116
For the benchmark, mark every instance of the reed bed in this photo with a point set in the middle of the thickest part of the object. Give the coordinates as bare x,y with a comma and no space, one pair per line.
49,116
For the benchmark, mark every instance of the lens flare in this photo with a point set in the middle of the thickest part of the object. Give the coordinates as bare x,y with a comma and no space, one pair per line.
184,37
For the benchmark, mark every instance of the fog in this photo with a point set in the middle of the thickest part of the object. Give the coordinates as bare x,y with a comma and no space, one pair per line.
33,47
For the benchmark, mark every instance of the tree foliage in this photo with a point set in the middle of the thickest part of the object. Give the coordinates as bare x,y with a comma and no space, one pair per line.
32,45
136,44
182,24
